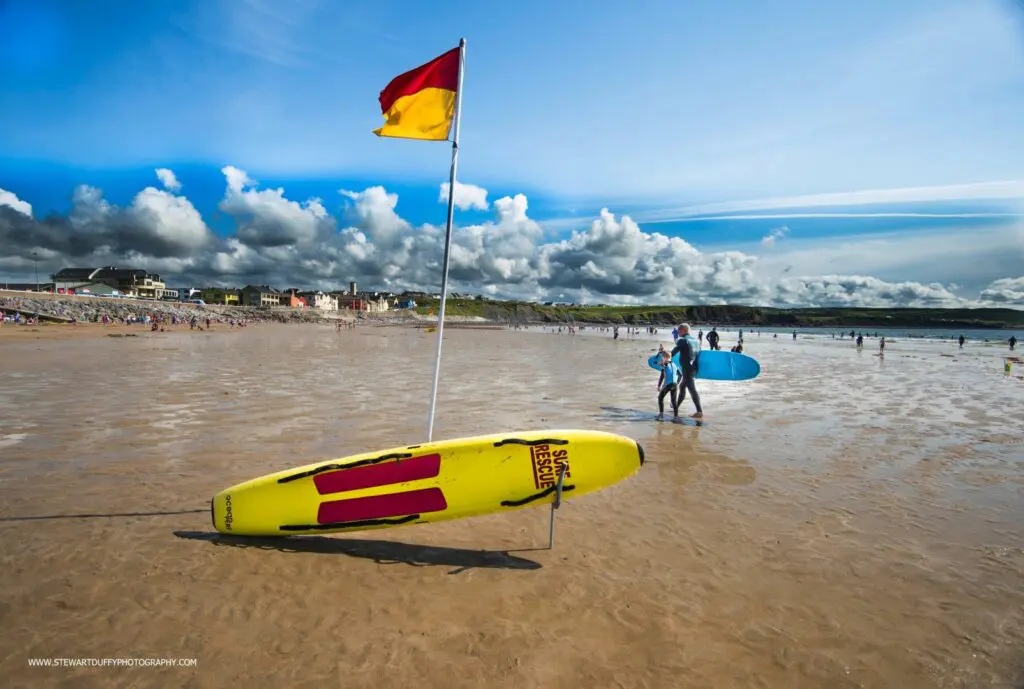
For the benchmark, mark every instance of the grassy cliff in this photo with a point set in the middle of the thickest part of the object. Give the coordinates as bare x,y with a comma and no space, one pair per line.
523,312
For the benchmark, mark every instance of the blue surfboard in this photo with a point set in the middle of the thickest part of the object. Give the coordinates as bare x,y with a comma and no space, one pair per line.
717,365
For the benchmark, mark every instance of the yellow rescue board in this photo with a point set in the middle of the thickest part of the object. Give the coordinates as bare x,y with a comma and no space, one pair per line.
432,482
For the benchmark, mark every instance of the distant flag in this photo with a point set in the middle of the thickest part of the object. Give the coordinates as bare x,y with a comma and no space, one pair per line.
420,104
426,103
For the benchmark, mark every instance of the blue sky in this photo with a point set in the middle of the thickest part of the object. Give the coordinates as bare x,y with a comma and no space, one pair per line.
656,109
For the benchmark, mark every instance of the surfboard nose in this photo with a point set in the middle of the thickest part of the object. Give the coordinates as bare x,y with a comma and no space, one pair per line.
640,451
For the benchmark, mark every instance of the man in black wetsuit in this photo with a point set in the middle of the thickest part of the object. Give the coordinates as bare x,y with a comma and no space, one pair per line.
712,338
687,348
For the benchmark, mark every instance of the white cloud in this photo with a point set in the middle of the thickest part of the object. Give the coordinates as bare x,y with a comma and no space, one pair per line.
859,291
612,260
796,216
168,179
466,196
172,219
1005,292
11,200
1013,189
776,234
968,256
265,216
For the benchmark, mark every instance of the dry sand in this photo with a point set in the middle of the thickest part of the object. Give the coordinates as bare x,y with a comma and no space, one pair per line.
842,521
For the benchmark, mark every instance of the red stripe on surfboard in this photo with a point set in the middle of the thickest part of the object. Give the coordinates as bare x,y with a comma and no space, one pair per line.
374,475
381,506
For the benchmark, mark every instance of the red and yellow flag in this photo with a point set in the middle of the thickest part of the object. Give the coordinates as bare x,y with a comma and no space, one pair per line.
420,104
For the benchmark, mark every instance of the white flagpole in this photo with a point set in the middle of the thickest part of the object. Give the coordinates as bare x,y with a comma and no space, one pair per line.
447,239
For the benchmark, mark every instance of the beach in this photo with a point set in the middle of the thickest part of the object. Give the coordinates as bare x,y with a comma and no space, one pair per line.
843,520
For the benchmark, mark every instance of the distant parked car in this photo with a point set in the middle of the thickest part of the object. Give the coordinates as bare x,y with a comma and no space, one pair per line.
198,301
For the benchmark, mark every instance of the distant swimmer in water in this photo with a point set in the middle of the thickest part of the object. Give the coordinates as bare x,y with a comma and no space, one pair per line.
668,382
687,349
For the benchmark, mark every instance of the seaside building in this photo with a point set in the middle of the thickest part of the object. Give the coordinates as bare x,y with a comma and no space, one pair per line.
260,295
100,289
355,300
110,280
412,294
376,303
221,295
365,301
320,300
290,298
183,293
349,301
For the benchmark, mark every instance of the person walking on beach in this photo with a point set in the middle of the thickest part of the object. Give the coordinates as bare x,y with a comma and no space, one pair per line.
881,346
687,348
667,383
962,340
1013,342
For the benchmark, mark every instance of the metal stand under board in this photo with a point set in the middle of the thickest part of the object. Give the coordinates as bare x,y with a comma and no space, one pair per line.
555,504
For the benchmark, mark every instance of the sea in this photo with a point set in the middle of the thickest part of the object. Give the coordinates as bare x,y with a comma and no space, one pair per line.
989,335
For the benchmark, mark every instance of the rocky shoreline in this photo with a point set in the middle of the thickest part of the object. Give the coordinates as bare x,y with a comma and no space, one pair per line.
66,309
93,309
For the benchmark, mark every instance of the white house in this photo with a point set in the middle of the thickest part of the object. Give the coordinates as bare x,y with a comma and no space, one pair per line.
376,303
319,300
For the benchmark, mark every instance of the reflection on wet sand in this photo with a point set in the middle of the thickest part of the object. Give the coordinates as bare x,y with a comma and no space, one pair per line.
837,522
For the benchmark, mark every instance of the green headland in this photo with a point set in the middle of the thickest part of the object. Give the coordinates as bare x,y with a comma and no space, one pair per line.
526,312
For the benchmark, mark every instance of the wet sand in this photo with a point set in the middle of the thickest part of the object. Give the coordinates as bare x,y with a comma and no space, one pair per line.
841,521
67,331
